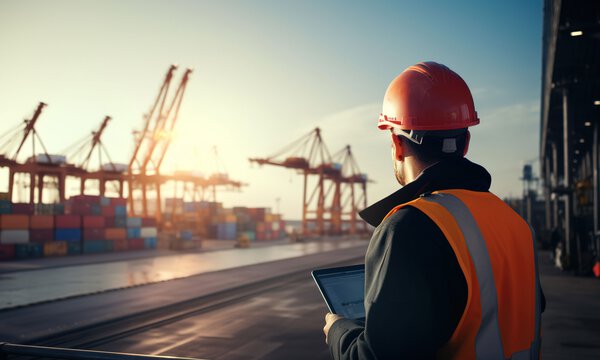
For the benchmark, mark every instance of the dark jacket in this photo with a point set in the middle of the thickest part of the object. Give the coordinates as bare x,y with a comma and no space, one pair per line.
415,292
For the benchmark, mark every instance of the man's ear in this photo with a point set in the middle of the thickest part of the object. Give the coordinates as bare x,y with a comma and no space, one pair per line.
397,147
467,140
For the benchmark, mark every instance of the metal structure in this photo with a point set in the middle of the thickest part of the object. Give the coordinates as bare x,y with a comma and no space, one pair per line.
38,166
152,143
81,154
311,158
348,199
569,152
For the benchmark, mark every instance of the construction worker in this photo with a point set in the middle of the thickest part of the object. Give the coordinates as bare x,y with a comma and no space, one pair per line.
450,272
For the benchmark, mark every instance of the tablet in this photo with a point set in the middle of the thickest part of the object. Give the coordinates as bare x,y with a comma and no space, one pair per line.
343,289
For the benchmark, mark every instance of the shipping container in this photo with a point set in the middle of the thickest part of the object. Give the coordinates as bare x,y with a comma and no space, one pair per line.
147,232
4,196
150,243
67,221
149,222
133,233
186,235
120,244
122,202
67,234
104,201
108,211
92,221
14,236
120,210
23,209
135,244
97,246
7,251
134,222
55,248
14,222
41,235
93,234
29,251
5,207
115,233
115,222
41,222
73,248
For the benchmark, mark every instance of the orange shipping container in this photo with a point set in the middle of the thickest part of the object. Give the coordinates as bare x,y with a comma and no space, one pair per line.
42,222
55,248
115,233
14,222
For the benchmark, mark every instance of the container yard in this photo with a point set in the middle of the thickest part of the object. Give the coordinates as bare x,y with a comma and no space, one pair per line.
188,213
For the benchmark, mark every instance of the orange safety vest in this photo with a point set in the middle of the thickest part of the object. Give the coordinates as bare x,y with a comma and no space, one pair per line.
495,249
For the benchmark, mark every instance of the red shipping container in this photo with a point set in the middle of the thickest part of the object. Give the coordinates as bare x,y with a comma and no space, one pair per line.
93,234
149,222
92,221
22,209
41,222
120,245
67,221
115,233
14,222
118,201
7,252
109,221
108,211
86,199
41,235
135,244
78,208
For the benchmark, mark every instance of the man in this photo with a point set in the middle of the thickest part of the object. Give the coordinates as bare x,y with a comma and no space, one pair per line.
450,272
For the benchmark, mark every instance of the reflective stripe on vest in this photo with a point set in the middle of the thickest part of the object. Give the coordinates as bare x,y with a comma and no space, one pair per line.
488,340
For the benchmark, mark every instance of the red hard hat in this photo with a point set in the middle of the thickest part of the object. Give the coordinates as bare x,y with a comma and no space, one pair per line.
428,96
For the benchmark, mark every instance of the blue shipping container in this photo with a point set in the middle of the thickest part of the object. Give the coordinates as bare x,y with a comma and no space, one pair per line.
134,222
120,221
120,210
97,246
5,207
134,233
73,248
67,234
186,235
227,231
150,243
28,251
104,201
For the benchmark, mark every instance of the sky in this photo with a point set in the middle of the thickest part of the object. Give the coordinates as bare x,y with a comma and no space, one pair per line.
265,74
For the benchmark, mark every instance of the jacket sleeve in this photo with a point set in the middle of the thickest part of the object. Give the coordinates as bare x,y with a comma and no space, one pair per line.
414,294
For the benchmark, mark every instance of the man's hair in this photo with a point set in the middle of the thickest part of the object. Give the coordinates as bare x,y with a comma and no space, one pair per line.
430,149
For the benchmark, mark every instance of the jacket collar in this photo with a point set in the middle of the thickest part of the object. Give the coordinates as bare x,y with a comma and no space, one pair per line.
447,174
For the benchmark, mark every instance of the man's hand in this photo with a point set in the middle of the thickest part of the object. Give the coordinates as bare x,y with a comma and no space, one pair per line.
329,320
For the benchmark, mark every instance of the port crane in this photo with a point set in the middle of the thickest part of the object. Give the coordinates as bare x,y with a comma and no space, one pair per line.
36,167
152,143
347,200
81,155
310,157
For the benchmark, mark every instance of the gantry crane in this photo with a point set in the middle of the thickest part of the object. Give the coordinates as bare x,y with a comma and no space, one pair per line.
346,201
80,154
37,166
310,157
152,142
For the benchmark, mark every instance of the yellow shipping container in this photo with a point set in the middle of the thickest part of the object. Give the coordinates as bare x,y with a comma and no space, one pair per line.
55,248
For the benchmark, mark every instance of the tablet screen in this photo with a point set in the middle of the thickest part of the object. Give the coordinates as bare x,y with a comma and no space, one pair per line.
343,290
